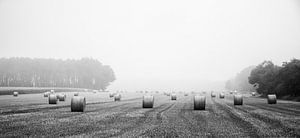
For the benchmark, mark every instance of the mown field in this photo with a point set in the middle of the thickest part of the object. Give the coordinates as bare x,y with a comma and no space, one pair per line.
31,115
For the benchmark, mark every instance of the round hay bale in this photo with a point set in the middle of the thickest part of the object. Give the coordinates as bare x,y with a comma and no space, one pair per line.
199,102
117,97
148,101
272,99
221,95
168,94
213,94
253,93
15,94
52,98
76,93
173,96
61,97
235,92
111,95
46,94
78,104
238,99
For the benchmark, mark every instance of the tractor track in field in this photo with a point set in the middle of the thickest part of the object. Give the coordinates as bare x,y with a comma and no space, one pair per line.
275,123
276,108
237,120
254,120
55,107
196,124
148,121
159,129
152,119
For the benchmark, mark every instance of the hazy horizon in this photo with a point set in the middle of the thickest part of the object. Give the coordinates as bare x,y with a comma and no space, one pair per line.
155,45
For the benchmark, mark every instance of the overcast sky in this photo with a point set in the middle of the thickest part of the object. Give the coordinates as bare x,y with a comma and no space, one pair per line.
155,44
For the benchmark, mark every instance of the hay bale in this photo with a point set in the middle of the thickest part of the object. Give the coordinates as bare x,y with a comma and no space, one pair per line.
117,97
235,92
173,96
111,95
148,101
15,94
78,104
52,98
238,99
61,97
199,102
46,94
76,93
272,99
168,94
213,94
221,95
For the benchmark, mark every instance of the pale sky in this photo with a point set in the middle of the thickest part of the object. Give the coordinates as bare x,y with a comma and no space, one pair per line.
155,44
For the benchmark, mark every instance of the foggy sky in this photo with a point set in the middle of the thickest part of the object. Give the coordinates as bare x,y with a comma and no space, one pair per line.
157,44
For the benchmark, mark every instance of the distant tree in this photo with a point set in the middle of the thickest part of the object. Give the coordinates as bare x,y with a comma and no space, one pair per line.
240,81
83,73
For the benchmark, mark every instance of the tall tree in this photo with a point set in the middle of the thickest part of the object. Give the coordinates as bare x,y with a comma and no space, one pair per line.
264,75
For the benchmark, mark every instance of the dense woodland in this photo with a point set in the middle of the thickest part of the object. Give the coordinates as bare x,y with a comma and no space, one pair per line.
27,72
268,78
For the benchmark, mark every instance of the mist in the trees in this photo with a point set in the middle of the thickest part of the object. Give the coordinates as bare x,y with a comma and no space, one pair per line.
27,72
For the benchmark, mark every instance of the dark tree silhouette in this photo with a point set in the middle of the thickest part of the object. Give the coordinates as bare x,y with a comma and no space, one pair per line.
281,80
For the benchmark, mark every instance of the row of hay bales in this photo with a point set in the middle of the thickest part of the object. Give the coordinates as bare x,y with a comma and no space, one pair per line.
77,102
199,100
116,96
53,98
238,98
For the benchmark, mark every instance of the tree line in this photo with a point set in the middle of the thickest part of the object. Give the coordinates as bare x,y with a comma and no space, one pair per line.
38,72
268,78
240,81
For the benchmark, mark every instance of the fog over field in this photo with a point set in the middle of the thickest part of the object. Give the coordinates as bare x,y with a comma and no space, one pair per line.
155,45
